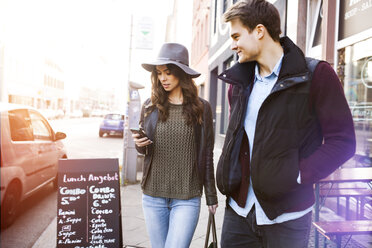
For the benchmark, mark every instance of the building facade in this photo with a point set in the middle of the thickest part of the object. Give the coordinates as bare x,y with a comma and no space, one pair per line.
200,44
339,32
29,77
220,59
21,75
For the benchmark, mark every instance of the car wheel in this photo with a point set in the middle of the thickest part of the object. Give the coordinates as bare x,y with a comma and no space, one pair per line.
100,133
10,205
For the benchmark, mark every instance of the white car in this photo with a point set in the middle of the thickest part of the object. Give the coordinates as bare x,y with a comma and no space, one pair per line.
30,151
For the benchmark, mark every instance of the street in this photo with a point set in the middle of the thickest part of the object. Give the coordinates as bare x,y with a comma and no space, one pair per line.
37,211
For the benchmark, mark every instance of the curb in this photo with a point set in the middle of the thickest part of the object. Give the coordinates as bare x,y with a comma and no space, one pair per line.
48,236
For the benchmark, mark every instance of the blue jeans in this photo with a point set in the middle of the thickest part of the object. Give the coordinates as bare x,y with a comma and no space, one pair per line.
240,232
170,222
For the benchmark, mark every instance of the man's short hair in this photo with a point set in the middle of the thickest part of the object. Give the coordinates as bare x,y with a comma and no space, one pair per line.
254,12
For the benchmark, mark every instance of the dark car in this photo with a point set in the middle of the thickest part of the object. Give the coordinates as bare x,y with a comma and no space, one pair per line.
112,124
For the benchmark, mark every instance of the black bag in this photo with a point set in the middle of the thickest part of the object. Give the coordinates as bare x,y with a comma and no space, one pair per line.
214,234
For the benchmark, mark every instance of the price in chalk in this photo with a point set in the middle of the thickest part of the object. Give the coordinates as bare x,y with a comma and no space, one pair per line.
99,203
67,199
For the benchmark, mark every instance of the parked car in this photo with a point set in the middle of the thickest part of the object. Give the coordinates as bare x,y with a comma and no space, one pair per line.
112,124
30,151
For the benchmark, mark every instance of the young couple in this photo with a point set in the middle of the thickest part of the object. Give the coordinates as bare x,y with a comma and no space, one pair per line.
290,126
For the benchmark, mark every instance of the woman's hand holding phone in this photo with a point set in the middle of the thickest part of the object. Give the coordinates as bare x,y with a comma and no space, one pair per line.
140,138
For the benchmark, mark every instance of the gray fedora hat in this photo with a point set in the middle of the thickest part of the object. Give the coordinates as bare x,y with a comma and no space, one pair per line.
173,53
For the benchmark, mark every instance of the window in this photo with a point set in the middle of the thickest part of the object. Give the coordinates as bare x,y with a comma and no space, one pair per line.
355,72
215,17
316,9
206,33
318,30
225,103
225,5
213,94
40,127
201,90
20,125
201,39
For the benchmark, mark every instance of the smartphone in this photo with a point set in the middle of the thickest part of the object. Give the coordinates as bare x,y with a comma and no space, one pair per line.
139,131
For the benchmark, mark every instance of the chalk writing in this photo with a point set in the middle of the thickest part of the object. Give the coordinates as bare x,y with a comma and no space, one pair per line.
88,205
101,179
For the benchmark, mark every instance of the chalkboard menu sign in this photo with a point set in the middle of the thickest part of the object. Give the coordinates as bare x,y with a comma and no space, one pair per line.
88,212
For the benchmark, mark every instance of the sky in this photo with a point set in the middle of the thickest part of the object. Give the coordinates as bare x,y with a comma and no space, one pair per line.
89,38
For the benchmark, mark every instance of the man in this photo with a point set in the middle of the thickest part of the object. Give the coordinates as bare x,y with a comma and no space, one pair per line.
290,126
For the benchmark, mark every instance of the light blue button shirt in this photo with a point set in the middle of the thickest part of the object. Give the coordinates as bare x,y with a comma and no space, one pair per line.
261,89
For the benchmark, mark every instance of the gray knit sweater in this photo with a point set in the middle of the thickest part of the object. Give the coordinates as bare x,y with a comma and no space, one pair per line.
173,172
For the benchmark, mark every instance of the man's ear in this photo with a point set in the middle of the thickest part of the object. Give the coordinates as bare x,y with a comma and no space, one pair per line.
260,31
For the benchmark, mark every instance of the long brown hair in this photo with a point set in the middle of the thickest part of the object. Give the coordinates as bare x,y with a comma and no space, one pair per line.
192,106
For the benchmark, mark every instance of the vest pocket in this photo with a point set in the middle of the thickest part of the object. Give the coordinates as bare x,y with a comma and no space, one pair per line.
276,176
229,168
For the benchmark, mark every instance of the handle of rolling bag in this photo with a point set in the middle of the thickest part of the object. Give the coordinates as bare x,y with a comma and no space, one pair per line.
211,223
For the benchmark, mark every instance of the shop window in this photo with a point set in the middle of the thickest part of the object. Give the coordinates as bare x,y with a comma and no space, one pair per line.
355,72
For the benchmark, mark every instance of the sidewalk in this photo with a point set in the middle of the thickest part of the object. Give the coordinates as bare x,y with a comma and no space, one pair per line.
134,228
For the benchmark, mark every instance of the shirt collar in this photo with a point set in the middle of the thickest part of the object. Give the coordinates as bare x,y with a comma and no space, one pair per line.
275,71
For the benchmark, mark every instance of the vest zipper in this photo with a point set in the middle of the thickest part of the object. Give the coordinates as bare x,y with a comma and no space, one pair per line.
279,82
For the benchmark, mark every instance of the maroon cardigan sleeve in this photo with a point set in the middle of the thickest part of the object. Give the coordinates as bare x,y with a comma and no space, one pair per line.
329,103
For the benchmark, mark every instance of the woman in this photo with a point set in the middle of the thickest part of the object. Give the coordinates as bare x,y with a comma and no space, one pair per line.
178,149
